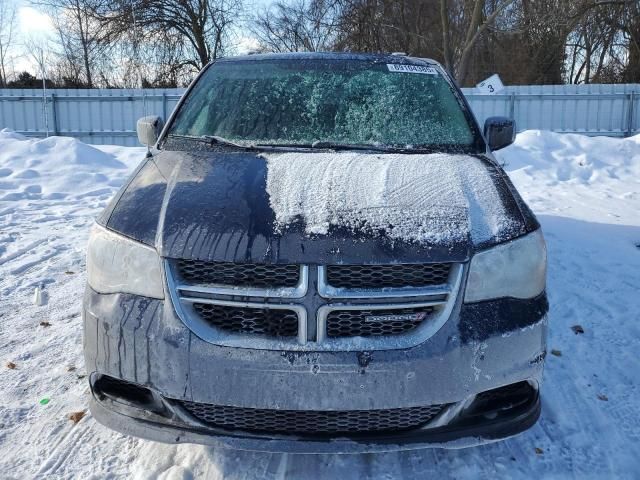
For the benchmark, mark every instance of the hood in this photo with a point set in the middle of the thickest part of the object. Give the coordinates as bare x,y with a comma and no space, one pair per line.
308,207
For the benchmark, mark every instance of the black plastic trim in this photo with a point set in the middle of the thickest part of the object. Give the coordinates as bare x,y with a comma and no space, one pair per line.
503,424
481,320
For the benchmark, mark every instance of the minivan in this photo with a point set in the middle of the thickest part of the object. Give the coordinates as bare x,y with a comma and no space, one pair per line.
319,253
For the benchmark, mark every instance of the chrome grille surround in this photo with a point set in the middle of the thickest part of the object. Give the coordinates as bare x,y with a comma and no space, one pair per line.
184,297
370,323
313,307
260,321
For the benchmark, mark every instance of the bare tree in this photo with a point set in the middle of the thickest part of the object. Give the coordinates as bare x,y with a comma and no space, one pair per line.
40,50
482,17
204,25
296,26
134,43
83,44
7,36
409,26
632,34
446,30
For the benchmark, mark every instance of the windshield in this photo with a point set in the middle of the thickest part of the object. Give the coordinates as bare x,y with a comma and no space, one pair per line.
302,102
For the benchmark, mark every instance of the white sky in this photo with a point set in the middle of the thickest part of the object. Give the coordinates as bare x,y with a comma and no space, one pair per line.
31,20
30,23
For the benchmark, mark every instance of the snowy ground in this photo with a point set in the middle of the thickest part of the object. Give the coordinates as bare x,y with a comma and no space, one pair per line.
586,192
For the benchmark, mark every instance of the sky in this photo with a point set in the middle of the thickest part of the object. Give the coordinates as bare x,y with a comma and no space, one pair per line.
32,22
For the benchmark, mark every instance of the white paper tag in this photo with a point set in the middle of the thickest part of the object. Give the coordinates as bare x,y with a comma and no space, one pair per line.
491,85
395,67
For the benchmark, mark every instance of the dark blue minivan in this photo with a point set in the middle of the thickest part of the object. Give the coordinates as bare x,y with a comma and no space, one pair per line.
319,254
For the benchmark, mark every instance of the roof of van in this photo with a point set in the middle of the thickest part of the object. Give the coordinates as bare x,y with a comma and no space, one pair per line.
380,57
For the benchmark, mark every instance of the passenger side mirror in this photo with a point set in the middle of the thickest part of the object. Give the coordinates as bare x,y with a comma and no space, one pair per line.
500,132
149,129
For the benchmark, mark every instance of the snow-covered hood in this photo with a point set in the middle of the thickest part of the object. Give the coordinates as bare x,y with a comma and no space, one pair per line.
349,207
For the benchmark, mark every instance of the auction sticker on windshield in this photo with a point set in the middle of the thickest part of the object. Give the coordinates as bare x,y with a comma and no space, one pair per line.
395,67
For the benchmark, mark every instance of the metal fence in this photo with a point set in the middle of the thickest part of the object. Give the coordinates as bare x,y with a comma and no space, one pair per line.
109,116
609,110
105,116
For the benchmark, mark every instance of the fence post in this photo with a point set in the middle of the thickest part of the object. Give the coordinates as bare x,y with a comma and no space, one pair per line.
54,115
164,106
630,115
512,106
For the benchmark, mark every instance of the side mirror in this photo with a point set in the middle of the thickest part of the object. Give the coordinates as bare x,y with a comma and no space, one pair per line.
149,129
500,132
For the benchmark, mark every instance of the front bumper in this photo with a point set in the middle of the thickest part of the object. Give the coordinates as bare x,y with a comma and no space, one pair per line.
480,348
174,425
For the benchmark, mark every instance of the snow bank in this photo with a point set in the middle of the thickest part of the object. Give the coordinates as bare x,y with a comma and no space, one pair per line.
50,191
557,158
591,178
586,192
418,198
56,168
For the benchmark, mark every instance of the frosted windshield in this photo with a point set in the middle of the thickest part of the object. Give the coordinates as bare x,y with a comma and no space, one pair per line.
301,102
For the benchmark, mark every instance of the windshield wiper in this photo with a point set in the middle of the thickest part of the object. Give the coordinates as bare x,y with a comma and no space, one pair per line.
345,146
321,145
324,145
318,144
212,140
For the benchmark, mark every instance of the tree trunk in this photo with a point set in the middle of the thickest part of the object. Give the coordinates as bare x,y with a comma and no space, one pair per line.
473,32
446,36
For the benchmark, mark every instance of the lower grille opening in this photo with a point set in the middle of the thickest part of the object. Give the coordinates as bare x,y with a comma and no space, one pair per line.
312,421
368,323
127,393
262,321
504,398
121,390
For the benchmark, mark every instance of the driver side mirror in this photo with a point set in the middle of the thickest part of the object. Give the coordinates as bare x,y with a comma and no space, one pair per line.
149,129
500,132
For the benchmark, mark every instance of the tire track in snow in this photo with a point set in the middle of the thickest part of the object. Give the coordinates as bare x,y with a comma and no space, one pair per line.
65,447
22,251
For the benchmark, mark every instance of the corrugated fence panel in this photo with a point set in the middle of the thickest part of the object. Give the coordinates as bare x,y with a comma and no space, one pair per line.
105,116
109,116
610,110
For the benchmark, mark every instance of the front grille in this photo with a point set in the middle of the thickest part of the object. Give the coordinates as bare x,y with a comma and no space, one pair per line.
368,323
239,274
305,307
312,421
387,276
262,321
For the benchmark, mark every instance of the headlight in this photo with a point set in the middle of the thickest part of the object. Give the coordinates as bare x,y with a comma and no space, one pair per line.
116,264
515,269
